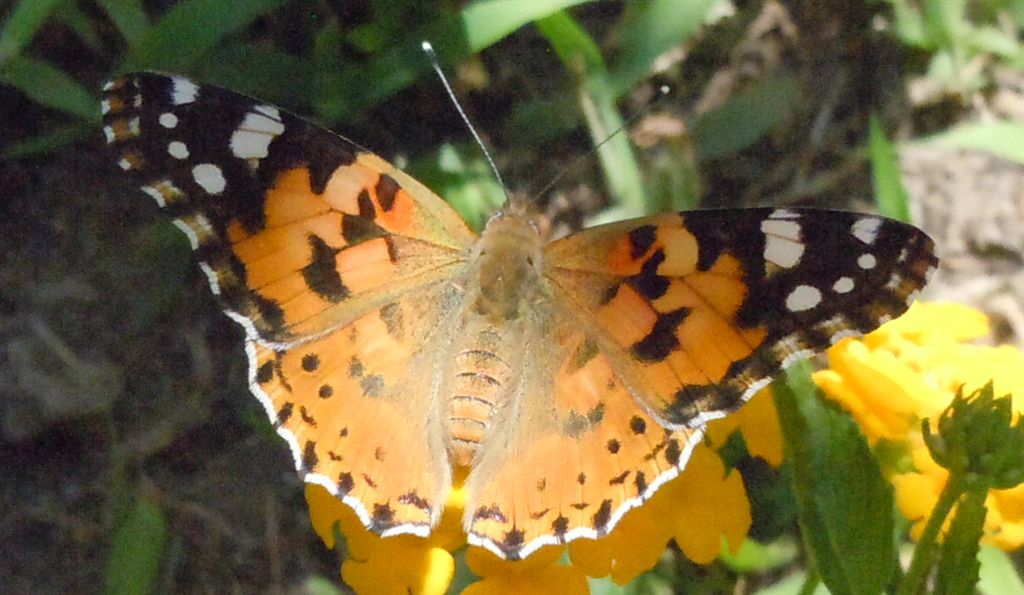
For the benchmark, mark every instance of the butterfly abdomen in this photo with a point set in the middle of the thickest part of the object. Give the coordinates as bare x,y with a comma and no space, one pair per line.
479,378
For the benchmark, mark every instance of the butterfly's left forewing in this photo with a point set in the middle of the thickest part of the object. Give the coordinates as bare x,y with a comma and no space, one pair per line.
338,266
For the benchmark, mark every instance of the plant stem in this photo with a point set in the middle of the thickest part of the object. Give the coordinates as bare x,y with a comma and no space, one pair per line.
921,563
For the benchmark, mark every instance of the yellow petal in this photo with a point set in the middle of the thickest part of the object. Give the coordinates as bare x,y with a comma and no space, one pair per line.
709,505
401,568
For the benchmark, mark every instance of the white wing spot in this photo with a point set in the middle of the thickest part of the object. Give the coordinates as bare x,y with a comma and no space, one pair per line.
105,107
784,214
109,133
843,285
253,137
168,120
189,233
782,244
269,111
804,297
178,150
866,229
184,91
211,276
209,177
867,261
108,85
156,194
124,164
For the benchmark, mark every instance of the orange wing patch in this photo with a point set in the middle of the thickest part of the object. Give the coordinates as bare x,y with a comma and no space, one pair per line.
656,308
322,259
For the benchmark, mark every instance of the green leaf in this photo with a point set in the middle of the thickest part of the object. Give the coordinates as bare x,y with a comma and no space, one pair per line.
50,86
24,21
652,28
1003,138
743,119
845,506
958,563
891,195
190,30
598,101
998,574
139,543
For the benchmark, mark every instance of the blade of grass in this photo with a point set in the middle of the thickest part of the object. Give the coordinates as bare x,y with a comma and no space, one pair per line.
49,86
130,18
49,141
891,195
25,20
597,98
190,30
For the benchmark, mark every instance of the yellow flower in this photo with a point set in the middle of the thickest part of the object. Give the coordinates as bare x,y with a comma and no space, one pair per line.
759,424
700,508
536,575
910,369
399,564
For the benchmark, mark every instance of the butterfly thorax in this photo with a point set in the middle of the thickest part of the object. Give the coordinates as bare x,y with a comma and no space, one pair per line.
506,265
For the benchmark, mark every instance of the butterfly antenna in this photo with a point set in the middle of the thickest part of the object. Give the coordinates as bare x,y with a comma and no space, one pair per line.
429,50
663,92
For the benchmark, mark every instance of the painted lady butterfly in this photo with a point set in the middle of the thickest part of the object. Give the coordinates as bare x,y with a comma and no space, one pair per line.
389,343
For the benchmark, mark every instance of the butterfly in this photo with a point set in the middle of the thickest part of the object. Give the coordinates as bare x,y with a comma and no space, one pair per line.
390,344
